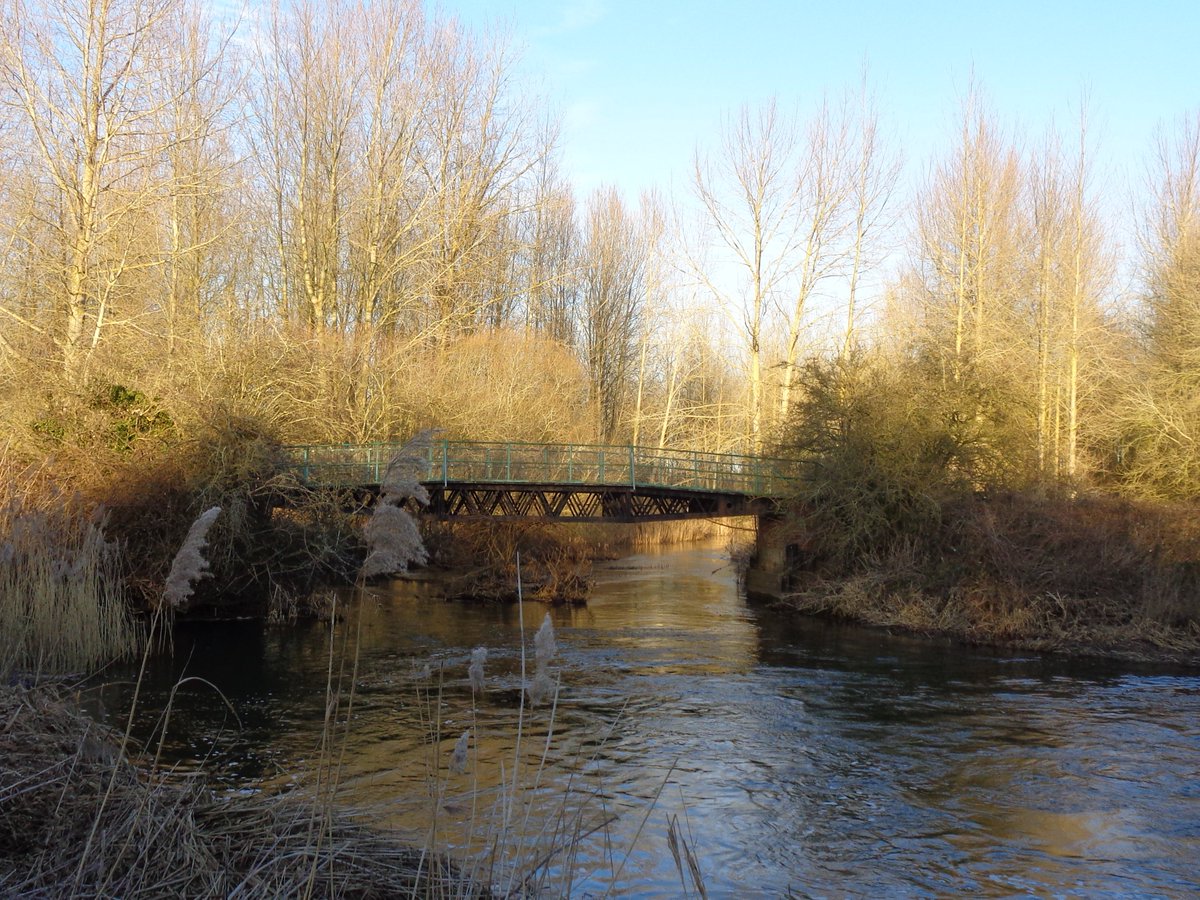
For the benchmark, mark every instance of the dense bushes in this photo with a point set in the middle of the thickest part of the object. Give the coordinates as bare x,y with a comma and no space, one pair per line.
921,512
887,446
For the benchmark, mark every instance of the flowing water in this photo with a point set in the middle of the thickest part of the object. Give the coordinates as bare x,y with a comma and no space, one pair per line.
800,757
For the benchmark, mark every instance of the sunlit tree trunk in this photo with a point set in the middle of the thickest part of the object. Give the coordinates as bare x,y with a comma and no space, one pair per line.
89,83
971,246
825,190
198,161
1049,220
875,178
749,194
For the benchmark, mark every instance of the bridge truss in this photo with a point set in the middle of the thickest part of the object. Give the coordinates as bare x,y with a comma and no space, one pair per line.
586,504
582,483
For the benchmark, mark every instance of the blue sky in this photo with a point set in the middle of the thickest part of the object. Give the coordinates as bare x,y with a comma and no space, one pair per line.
639,83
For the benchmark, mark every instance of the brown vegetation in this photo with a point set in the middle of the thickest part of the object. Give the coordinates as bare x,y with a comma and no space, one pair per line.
484,557
63,605
555,558
916,517
1089,575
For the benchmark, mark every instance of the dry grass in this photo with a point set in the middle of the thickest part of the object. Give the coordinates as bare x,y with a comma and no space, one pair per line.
617,539
1092,575
158,835
990,614
62,607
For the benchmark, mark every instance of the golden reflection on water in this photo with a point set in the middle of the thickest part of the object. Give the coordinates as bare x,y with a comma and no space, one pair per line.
414,698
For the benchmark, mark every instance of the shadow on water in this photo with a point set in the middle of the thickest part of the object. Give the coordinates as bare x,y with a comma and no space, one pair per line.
806,756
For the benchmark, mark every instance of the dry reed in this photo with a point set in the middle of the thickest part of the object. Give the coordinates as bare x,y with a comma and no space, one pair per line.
393,540
62,605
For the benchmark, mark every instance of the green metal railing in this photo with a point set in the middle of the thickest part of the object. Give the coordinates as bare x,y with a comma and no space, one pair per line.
547,464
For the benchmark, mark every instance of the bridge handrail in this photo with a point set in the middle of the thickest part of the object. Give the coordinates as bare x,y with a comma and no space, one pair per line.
514,462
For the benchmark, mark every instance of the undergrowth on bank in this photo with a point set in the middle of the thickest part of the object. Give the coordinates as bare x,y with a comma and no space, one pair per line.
63,778
916,515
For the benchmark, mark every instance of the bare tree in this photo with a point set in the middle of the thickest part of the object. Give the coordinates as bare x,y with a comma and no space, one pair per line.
551,292
792,212
876,172
1050,215
1171,247
970,253
749,196
197,163
612,280
824,193
309,81
1088,268
1161,418
389,194
90,81
480,151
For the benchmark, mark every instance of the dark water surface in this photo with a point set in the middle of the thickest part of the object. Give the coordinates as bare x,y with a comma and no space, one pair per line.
800,757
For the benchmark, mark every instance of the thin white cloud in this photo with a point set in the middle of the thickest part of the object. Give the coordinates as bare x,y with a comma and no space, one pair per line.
575,15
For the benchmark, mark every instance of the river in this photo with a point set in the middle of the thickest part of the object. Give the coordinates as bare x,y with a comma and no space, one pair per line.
799,757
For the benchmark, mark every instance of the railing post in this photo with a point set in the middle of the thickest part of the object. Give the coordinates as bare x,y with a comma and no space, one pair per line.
508,462
306,449
601,465
445,461
632,475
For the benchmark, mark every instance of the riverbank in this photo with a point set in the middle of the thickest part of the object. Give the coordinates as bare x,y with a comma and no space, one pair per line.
1044,624
1092,576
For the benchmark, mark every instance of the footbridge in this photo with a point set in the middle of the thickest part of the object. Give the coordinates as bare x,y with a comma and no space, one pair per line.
571,482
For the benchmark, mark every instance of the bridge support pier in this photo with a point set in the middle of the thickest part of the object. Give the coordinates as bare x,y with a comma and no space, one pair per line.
777,547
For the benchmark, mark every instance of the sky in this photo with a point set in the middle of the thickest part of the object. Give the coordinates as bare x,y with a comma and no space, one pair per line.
640,84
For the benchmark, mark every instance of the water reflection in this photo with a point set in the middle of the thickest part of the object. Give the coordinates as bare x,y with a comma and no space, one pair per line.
805,756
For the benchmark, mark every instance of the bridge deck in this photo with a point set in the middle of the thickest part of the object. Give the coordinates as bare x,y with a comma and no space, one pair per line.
582,482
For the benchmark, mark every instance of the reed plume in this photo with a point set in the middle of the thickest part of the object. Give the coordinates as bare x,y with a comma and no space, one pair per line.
544,648
189,564
475,670
393,541
458,759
